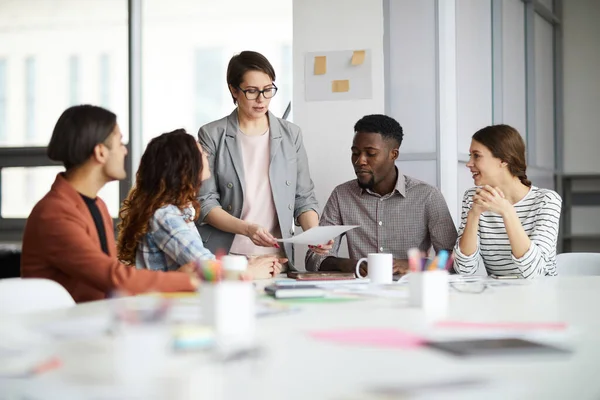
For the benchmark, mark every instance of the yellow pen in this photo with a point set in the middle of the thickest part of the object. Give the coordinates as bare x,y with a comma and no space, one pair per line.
433,265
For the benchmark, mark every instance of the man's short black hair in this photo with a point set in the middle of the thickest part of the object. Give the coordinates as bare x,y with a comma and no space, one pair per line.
78,130
388,127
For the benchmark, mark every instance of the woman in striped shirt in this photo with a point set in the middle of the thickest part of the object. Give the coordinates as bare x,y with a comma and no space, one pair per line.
506,222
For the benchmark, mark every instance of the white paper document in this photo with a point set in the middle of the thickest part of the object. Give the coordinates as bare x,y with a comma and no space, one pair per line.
319,234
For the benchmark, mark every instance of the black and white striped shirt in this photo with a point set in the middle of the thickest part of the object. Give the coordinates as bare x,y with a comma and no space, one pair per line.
539,213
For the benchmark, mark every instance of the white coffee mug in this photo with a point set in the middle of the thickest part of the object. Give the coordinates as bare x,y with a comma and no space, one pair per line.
381,267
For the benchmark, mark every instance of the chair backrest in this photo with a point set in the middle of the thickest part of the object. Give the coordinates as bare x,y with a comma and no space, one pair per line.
572,264
22,295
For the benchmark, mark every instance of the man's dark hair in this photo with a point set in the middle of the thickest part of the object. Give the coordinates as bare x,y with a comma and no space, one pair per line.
78,130
388,127
244,62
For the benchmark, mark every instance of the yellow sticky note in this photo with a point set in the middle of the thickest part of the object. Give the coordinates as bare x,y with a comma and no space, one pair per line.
358,57
340,86
320,65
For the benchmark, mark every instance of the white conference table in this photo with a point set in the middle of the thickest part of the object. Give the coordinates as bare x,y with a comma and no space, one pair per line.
294,365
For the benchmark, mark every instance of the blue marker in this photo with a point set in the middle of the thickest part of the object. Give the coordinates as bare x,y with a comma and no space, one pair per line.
442,259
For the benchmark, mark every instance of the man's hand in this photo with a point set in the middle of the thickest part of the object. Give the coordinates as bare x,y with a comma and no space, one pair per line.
322,249
192,270
400,267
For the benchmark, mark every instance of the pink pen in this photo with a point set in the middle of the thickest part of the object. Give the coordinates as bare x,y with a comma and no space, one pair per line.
414,260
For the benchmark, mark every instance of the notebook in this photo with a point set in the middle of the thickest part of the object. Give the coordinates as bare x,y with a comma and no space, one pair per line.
290,291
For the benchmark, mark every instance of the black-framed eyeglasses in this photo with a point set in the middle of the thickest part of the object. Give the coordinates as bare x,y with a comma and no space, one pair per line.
253,93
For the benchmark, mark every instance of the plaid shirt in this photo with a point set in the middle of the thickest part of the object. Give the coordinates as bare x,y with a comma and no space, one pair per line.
414,214
172,241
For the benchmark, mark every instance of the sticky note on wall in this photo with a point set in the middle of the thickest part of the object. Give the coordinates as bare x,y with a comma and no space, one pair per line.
358,57
320,65
340,86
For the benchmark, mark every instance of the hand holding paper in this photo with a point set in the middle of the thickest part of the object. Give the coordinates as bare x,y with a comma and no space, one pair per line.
319,234
322,249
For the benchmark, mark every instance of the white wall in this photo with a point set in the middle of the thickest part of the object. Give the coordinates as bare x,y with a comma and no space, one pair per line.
328,125
581,76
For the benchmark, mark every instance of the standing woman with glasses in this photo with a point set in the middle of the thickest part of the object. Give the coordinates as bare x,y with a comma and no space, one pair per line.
260,185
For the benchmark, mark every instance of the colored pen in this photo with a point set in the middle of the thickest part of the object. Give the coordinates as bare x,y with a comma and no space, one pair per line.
414,260
442,258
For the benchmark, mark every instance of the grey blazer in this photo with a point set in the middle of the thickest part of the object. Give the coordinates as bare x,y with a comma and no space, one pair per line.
293,189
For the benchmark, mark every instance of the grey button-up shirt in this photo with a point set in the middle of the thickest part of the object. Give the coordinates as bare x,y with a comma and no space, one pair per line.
415,214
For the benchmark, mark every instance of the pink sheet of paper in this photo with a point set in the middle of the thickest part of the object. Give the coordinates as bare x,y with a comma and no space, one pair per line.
521,326
371,337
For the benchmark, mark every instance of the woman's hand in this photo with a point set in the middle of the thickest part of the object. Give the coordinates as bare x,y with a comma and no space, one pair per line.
322,249
491,199
260,236
265,267
262,267
278,266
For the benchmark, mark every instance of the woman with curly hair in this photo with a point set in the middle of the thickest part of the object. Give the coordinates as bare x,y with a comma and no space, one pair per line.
157,229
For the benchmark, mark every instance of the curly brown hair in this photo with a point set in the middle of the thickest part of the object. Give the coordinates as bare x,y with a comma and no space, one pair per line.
170,173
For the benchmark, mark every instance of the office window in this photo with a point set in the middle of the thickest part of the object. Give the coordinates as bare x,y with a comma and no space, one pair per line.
49,50
74,90
210,85
285,81
185,62
29,100
23,187
3,114
46,52
104,81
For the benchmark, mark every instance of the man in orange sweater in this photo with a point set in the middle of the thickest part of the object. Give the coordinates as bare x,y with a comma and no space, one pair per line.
69,236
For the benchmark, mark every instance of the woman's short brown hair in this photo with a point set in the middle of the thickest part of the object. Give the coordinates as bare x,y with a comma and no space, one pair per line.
506,143
244,62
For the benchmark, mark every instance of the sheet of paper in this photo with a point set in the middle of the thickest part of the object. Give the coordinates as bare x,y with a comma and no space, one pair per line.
392,291
320,65
191,312
78,328
319,234
391,338
340,86
358,57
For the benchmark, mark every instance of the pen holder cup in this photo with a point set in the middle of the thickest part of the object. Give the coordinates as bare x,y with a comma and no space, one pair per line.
229,307
142,341
429,290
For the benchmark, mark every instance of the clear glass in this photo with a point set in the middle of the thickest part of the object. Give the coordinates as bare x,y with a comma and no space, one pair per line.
55,54
187,45
23,187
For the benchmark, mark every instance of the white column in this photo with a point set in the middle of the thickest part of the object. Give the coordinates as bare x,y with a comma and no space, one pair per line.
447,109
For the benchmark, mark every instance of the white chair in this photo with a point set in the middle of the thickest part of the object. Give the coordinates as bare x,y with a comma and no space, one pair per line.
23,295
578,264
